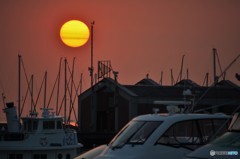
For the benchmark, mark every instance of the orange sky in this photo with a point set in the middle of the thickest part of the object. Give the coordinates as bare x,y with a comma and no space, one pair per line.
138,36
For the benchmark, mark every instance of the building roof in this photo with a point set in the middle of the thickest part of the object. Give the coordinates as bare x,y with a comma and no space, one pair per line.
187,83
148,88
148,82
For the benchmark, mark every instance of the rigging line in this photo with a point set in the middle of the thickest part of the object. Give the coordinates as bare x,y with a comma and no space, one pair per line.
64,96
225,123
25,98
80,83
68,81
50,98
61,106
59,75
219,64
216,106
202,96
76,94
69,93
71,84
39,92
72,105
28,83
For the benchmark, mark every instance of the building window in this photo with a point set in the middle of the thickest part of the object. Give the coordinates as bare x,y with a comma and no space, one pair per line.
39,156
15,156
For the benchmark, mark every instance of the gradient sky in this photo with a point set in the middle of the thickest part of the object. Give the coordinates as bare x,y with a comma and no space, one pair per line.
138,36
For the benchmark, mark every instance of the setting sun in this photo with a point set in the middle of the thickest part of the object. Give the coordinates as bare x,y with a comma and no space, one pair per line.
74,33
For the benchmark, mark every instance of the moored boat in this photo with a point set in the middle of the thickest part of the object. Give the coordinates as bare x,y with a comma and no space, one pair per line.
163,136
44,137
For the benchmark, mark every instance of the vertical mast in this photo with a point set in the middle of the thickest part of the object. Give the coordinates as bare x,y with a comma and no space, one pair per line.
65,90
32,104
59,75
45,89
214,66
93,114
91,68
19,86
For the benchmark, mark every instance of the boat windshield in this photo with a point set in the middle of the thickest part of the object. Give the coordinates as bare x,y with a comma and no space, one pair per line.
229,139
135,132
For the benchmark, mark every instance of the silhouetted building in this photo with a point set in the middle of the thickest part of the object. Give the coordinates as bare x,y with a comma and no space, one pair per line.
116,104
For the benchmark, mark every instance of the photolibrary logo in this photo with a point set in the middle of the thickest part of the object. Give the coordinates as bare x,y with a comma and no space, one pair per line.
212,153
226,153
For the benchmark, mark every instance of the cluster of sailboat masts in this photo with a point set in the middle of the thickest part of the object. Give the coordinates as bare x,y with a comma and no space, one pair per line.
216,61
71,91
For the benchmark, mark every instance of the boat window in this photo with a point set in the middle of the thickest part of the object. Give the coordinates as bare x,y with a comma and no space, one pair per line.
59,125
48,125
135,132
25,125
15,156
212,128
29,125
182,134
39,156
35,125
144,132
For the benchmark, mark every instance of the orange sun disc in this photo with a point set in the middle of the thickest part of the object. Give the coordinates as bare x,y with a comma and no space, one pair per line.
74,33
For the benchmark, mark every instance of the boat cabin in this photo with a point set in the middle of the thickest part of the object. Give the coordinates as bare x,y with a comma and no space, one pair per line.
42,124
